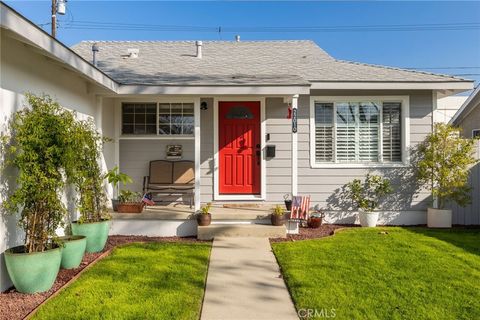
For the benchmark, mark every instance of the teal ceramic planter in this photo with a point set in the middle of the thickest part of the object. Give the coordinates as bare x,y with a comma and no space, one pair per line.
96,233
33,272
73,251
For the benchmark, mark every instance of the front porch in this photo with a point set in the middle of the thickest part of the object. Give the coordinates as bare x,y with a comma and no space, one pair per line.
144,129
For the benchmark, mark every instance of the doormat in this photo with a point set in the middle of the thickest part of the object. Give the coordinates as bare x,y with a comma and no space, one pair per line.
241,205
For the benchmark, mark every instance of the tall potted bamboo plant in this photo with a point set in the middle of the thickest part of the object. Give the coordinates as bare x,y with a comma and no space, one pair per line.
86,175
444,167
37,150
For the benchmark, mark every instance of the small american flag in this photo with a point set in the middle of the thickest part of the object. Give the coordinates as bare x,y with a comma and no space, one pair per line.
147,199
300,207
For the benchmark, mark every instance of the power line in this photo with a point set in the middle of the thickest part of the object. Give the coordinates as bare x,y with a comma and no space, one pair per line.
272,29
441,68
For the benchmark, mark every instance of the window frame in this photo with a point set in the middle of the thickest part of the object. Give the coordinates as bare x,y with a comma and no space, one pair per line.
156,135
405,129
473,133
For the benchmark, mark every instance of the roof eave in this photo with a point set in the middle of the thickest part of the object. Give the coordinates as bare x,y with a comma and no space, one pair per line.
469,104
35,36
458,86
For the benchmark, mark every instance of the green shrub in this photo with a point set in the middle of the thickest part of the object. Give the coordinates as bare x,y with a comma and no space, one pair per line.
368,193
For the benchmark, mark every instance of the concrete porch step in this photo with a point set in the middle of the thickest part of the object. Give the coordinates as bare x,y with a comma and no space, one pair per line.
241,230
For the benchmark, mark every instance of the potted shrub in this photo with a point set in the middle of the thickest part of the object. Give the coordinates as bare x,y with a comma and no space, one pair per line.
86,175
115,177
288,201
37,149
445,162
73,249
204,217
366,195
130,202
278,216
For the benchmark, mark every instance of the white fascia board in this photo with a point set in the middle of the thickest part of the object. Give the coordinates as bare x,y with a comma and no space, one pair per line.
11,20
456,85
213,90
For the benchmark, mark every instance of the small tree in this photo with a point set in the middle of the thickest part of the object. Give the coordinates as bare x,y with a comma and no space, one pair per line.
85,172
445,164
38,149
368,193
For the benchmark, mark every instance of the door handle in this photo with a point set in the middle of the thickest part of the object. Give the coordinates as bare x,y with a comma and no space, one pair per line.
257,153
258,146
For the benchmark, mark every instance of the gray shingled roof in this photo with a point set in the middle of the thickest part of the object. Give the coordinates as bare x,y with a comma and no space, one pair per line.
237,63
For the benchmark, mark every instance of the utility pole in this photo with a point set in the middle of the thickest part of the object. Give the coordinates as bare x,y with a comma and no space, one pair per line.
54,18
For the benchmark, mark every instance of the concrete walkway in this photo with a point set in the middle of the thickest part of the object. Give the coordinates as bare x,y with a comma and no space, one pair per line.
243,282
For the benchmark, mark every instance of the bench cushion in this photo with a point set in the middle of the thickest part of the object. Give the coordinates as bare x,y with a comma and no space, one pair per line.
161,172
183,172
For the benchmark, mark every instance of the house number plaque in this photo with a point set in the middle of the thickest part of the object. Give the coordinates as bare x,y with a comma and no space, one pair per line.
174,151
294,120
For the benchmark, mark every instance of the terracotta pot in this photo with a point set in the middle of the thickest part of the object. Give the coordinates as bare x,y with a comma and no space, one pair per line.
204,219
314,222
130,207
277,220
288,205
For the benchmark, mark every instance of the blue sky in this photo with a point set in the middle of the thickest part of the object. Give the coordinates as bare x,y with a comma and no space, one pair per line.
422,49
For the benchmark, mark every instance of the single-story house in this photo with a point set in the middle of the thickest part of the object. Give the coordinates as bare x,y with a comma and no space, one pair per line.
258,119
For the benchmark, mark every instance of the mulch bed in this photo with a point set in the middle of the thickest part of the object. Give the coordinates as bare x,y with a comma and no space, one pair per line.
15,305
325,230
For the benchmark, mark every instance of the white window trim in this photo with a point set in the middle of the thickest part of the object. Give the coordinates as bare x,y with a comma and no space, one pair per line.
156,136
405,126
263,163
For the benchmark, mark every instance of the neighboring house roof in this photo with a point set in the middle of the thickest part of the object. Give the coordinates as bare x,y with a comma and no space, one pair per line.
231,62
468,106
24,30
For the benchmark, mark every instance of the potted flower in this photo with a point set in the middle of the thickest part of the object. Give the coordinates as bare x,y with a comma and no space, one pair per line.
367,195
204,217
130,202
115,177
288,201
444,166
85,174
37,149
315,220
278,216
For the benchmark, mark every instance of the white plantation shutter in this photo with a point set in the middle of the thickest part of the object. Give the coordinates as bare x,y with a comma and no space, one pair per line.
324,132
346,113
368,126
392,147
351,132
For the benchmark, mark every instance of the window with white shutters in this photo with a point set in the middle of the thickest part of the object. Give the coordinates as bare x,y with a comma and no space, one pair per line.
324,132
392,146
357,132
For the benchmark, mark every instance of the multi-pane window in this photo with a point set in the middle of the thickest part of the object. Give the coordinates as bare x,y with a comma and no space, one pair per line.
157,119
139,118
357,132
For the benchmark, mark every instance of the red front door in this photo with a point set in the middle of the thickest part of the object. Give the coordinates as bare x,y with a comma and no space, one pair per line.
239,147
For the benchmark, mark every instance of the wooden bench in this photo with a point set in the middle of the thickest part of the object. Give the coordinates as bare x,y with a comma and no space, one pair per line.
170,178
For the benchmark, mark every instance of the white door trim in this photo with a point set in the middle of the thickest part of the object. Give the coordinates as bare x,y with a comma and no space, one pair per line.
263,164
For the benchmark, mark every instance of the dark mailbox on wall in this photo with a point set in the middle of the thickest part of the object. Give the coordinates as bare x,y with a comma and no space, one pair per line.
270,151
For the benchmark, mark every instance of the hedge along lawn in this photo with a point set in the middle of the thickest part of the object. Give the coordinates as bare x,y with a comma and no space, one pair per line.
409,273
137,281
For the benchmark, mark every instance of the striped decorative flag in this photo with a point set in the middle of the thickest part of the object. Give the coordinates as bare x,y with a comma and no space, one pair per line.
300,207
147,199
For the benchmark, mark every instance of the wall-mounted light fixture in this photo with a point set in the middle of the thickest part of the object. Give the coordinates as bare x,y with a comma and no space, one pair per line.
203,105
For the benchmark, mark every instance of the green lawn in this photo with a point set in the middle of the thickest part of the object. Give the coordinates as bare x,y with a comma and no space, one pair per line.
137,281
409,273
